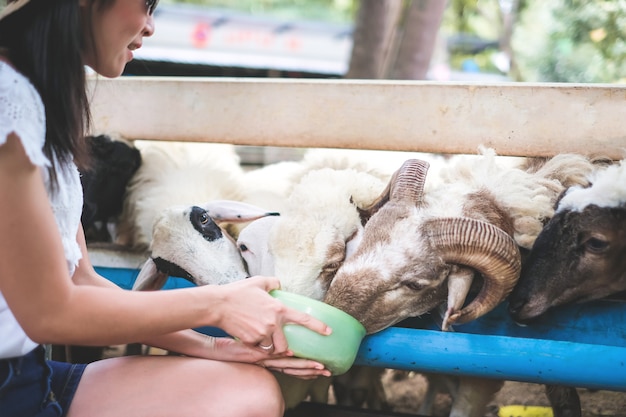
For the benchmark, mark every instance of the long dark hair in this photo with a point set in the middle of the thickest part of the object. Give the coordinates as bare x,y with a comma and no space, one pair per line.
43,40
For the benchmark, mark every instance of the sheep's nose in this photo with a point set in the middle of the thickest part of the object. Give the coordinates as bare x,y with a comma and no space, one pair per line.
515,309
517,300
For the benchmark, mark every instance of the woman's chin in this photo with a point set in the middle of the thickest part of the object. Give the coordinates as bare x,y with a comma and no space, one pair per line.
113,70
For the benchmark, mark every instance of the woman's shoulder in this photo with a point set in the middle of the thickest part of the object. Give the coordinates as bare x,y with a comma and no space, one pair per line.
13,82
22,112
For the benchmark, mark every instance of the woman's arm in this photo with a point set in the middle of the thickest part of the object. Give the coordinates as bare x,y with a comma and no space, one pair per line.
187,342
35,282
192,343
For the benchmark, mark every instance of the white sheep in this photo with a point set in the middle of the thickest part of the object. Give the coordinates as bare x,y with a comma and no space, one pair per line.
318,225
174,173
305,245
270,185
319,221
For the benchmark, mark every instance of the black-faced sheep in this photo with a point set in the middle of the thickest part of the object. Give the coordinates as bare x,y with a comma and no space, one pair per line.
577,257
187,242
580,255
114,162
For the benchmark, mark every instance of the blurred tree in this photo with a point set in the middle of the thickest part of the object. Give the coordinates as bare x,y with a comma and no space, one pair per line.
374,29
417,40
395,38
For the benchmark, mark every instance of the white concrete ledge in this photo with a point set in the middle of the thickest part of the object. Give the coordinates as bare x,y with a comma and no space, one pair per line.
109,255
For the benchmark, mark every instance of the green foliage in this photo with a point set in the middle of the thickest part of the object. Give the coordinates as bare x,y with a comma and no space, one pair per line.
476,20
480,18
555,41
573,41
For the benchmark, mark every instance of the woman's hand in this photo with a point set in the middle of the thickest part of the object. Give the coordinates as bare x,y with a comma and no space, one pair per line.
298,367
245,310
225,348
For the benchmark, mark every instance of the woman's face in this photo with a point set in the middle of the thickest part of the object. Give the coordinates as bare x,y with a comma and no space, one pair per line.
112,32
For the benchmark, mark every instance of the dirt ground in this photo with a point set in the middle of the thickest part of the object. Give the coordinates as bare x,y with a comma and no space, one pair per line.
405,393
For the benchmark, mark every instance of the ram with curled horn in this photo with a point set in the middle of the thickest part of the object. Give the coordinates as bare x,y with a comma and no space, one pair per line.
412,260
424,244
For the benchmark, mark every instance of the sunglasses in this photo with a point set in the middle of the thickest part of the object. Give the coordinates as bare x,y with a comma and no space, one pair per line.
151,5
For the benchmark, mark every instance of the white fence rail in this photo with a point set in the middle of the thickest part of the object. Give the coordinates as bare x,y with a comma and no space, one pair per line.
514,119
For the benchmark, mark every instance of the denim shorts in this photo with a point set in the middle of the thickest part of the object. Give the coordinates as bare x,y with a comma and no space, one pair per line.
30,385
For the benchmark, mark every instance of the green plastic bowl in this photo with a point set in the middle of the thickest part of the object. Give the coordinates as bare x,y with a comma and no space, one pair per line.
336,351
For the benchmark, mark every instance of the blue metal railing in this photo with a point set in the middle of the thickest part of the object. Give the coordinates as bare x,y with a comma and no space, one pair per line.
581,345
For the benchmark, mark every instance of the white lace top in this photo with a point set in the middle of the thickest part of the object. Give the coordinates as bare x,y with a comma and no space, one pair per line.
22,112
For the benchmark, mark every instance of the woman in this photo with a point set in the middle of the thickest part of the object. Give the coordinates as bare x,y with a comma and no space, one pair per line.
49,291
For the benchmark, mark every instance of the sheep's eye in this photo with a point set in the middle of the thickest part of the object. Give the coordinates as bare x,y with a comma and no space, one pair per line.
596,245
414,286
243,248
333,266
204,218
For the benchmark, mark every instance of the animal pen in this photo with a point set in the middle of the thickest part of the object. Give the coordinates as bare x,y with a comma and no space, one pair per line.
581,345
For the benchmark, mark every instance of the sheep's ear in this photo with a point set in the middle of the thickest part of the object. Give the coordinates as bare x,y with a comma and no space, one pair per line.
235,211
366,213
149,278
354,241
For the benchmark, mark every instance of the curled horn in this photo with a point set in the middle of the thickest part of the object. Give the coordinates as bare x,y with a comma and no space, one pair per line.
406,183
483,247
